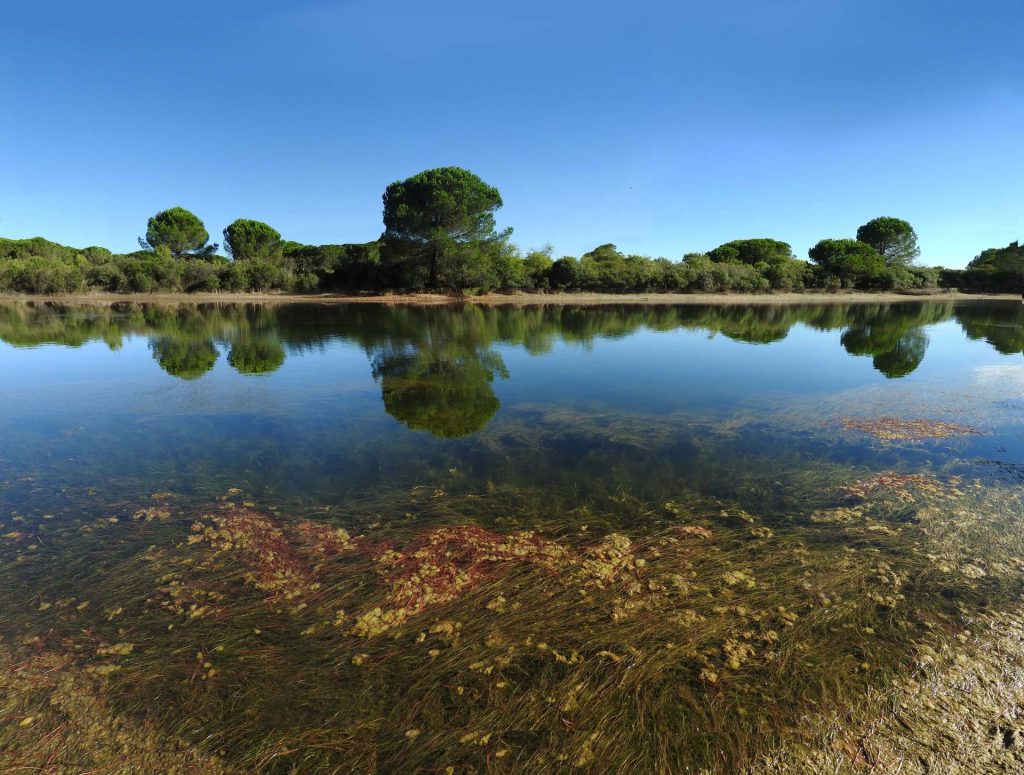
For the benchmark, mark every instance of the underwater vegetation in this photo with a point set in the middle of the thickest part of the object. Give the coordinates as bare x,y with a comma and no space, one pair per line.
905,429
232,636
272,575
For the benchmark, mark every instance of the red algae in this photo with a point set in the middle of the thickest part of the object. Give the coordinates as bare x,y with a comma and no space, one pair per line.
892,482
445,563
323,541
275,567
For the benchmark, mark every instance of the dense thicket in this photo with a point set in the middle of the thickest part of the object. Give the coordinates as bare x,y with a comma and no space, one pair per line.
440,233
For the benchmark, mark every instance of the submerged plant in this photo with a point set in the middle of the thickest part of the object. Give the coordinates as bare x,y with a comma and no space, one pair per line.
902,429
705,635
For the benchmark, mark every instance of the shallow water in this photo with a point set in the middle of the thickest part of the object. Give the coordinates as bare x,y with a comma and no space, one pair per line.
714,520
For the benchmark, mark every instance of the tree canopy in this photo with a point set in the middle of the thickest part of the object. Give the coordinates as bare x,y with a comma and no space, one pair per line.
180,231
999,268
249,240
847,259
439,222
893,238
440,233
752,252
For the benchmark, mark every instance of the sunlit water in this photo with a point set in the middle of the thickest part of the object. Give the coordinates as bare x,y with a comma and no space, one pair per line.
600,429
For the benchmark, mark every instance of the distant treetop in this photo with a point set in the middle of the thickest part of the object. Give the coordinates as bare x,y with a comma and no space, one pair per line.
893,238
752,252
180,231
249,240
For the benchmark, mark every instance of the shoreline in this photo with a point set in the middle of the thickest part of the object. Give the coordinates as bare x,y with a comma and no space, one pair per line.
519,299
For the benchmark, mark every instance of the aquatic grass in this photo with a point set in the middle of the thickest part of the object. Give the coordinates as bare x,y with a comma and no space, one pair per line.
723,625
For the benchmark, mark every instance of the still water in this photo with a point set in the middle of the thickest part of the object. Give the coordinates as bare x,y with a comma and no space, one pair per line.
324,538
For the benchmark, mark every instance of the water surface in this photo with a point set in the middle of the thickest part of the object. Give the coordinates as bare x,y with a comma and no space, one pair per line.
654,534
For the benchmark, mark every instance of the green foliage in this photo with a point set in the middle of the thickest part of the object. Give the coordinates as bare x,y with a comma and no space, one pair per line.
248,240
564,274
106,276
848,260
439,229
440,234
148,272
893,238
180,231
752,252
37,247
201,277
40,276
264,276
772,258
536,265
998,269
334,267
235,277
787,275
508,269
701,274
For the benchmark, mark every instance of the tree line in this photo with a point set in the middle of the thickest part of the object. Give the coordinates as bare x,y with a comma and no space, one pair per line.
440,234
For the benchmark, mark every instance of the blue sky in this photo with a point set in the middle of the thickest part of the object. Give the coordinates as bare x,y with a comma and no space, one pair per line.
665,128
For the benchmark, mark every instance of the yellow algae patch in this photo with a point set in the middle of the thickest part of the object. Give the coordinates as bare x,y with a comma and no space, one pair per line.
736,653
322,540
899,429
742,578
66,724
153,514
607,561
102,670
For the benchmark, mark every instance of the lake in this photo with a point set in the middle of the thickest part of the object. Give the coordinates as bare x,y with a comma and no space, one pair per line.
462,538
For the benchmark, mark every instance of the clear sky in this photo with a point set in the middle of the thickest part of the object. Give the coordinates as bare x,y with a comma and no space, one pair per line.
665,127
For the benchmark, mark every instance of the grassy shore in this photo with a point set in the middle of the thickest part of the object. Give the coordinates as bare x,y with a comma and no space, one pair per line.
525,299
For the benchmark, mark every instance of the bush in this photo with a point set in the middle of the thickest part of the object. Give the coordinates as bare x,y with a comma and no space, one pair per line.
307,283
265,276
42,276
146,272
235,276
107,276
201,276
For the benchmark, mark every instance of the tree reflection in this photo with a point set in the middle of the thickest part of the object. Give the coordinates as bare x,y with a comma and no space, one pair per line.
184,358
436,365
893,335
448,393
262,354
1001,326
895,353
